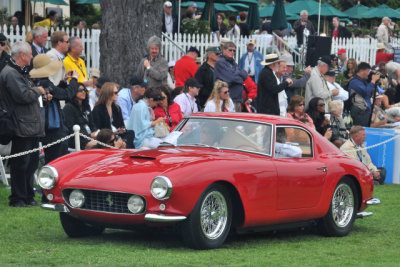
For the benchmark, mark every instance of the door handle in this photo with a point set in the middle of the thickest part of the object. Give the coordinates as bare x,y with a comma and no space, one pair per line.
324,169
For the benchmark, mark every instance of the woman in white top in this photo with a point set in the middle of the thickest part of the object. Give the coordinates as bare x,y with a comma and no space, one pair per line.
219,100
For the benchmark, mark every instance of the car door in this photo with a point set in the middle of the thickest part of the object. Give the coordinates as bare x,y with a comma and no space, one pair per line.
301,175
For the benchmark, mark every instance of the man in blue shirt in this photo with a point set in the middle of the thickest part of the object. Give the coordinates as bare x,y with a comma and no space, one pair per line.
127,97
361,91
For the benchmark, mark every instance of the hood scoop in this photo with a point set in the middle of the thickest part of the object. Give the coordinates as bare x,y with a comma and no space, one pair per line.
142,157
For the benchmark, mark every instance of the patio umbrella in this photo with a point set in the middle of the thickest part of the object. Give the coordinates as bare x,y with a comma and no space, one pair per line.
239,6
253,17
88,1
382,11
267,11
290,16
357,11
199,4
299,5
278,21
54,2
328,11
224,8
209,14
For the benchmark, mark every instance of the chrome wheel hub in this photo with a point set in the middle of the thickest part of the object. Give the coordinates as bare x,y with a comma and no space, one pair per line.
213,215
342,205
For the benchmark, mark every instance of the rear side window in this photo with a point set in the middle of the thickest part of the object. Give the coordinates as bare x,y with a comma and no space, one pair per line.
292,142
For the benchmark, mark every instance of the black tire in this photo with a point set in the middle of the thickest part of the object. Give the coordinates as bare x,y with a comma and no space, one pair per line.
76,228
202,232
342,211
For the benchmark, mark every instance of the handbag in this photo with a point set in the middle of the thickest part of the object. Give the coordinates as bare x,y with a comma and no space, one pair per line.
7,127
51,116
161,130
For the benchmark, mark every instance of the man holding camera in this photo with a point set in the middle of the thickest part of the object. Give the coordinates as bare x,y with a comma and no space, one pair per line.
361,90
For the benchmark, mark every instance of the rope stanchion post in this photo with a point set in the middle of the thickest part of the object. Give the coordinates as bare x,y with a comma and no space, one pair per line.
76,129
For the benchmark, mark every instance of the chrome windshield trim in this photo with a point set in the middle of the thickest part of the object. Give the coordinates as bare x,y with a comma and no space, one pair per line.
55,207
163,218
373,201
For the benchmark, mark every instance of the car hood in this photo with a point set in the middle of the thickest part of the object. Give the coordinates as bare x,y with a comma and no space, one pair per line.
114,170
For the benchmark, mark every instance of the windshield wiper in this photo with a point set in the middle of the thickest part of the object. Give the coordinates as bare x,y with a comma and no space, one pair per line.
164,143
200,144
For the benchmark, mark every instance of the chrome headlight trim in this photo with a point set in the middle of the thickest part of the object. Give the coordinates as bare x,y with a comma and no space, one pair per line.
76,198
47,177
161,187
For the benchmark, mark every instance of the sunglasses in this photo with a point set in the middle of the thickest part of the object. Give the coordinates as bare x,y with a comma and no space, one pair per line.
80,90
232,50
321,105
301,105
115,92
2,43
226,92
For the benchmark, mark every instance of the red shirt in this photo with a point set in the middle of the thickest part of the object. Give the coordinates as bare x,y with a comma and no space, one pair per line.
250,89
383,57
174,112
185,68
335,33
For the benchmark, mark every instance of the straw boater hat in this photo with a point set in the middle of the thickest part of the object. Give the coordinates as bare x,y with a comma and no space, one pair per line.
44,67
380,46
270,59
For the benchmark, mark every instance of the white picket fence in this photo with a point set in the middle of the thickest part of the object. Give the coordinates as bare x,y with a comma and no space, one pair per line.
90,41
361,49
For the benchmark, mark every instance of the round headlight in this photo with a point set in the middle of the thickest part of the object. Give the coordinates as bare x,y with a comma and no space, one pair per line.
76,198
47,177
161,188
135,204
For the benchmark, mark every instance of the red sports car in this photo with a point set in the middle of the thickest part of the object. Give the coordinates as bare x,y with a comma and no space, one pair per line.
216,172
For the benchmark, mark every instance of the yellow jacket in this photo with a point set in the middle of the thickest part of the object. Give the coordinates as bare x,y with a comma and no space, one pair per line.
47,23
79,65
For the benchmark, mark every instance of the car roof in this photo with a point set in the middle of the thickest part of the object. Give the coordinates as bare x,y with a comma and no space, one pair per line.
251,117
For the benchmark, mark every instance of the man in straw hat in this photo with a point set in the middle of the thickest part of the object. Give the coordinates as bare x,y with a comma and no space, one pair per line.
269,86
381,55
20,98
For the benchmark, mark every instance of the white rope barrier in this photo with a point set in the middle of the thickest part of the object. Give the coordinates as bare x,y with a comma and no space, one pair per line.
372,146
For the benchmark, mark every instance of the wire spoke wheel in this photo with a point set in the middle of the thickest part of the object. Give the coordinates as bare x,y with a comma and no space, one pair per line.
342,205
213,215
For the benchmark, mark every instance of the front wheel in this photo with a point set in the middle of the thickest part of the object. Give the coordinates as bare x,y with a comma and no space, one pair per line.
343,209
76,228
209,223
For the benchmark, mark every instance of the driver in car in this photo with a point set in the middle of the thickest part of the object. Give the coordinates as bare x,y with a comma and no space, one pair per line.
284,150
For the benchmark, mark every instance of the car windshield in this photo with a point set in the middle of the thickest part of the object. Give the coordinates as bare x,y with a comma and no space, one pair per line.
223,133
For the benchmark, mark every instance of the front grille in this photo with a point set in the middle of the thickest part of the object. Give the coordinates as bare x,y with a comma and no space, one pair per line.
103,201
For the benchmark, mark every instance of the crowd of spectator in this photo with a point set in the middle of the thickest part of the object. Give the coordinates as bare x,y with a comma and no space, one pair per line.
161,93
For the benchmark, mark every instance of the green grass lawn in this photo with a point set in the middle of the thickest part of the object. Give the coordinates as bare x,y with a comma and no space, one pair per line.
32,236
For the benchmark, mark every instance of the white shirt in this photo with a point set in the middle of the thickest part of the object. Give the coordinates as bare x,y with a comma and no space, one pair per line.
287,151
93,97
343,94
210,106
249,64
187,103
282,99
168,23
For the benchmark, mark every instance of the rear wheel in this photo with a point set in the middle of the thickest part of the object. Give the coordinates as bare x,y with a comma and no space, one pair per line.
343,209
76,228
209,223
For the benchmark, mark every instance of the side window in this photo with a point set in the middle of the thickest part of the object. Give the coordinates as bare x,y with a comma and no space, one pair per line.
292,142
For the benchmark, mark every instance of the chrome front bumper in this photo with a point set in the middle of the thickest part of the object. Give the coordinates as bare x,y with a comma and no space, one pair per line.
163,218
55,207
372,201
